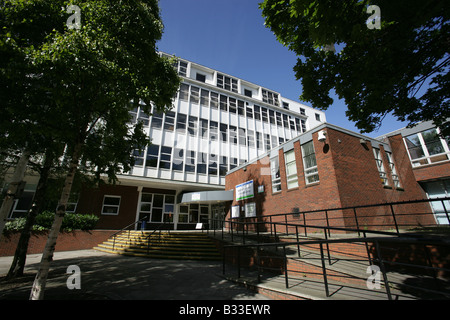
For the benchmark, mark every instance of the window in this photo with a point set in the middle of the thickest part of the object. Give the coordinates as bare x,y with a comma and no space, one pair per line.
169,124
182,69
195,95
184,213
165,159
278,116
427,147
214,100
181,123
285,121
184,92
259,141
22,205
223,132
157,208
242,137
251,138
249,112
380,166
302,111
111,205
200,77
138,157
223,167
178,159
190,161
248,93
152,156
192,125
394,174
270,97
241,107
264,114
303,124
226,83
204,128
169,204
223,102
317,117
201,162
310,163
213,130
267,141
257,110
233,134
146,206
204,97
291,169
232,102
143,118
286,105
233,163
275,173
212,168
272,116
157,120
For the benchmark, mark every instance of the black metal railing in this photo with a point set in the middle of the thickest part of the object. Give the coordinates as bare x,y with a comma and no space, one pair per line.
158,229
126,228
294,220
376,259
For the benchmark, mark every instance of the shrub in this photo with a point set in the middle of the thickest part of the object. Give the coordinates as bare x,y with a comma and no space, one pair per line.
44,221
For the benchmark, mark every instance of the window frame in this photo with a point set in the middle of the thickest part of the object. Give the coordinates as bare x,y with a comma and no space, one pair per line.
310,171
111,205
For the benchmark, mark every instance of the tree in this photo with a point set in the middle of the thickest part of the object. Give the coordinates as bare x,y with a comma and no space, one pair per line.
379,59
89,75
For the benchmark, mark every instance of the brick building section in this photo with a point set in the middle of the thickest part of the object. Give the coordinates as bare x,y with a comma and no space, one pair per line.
91,202
423,173
348,177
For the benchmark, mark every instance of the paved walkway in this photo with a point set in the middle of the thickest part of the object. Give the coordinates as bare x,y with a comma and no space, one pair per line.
108,276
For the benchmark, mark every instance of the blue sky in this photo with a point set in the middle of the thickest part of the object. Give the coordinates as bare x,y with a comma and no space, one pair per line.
230,36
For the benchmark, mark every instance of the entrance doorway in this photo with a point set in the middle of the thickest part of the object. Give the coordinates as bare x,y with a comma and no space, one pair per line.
218,216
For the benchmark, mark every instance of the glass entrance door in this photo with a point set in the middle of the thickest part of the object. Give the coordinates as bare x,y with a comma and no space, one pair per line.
218,216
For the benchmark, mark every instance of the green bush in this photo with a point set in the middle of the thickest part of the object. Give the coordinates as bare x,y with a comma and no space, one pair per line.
44,221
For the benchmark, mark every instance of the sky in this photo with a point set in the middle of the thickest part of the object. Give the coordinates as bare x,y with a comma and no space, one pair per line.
230,36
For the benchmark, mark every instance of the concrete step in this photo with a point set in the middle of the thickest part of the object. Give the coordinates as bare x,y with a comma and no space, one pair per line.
167,245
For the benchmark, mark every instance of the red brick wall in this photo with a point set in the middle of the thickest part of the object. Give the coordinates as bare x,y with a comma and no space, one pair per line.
348,177
91,202
67,241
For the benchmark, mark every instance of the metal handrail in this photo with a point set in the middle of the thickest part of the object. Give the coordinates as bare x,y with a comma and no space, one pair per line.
375,240
124,228
156,229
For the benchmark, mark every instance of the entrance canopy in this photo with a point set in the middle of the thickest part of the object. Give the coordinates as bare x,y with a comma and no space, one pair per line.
207,197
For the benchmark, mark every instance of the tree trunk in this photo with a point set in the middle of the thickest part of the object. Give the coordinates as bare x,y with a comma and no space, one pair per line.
37,291
20,256
8,202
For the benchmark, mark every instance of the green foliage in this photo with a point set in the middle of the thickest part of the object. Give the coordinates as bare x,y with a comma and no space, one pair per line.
376,71
44,220
66,87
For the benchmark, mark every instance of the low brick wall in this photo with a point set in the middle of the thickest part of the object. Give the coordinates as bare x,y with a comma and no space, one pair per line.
67,241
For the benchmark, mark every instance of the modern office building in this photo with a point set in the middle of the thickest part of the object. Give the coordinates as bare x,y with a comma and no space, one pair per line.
217,122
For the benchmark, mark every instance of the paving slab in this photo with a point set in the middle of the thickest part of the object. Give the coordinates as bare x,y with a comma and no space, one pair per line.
105,276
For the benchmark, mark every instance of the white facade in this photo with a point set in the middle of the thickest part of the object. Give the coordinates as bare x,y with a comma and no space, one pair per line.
217,122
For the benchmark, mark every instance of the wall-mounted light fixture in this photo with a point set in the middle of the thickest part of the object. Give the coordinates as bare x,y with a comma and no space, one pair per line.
322,136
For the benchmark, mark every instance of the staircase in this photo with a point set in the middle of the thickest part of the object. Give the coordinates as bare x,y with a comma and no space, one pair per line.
164,245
